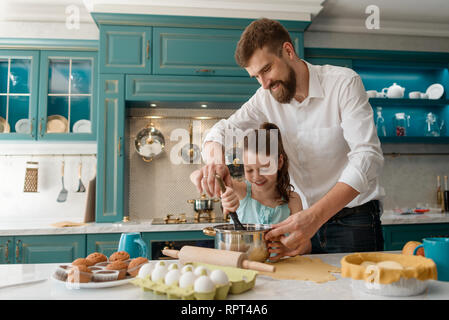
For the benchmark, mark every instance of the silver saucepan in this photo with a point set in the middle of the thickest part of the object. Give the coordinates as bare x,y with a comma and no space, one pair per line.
251,241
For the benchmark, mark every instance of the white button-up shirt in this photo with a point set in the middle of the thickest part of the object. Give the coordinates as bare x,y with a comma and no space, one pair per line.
329,137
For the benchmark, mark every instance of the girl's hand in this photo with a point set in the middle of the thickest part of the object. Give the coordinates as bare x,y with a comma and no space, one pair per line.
282,251
229,201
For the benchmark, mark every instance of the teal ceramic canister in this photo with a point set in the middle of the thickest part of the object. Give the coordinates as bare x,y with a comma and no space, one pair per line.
437,249
132,243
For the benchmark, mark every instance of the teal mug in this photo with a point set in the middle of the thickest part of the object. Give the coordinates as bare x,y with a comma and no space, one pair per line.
132,243
437,249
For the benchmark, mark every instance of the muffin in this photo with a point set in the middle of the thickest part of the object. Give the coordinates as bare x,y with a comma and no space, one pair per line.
105,275
97,257
119,256
61,272
121,266
79,273
82,261
135,264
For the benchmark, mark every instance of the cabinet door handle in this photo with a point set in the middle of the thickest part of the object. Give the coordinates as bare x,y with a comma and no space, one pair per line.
205,71
148,49
7,251
120,146
18,251
40,127
31,127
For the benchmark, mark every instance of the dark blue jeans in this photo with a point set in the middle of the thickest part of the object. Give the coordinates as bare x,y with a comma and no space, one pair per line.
351,230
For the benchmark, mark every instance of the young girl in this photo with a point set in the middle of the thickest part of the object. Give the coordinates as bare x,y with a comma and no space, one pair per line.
265,197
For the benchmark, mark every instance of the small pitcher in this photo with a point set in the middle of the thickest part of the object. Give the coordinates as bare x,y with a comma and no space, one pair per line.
132,243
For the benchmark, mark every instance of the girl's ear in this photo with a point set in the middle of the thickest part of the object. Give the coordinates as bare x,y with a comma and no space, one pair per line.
281,162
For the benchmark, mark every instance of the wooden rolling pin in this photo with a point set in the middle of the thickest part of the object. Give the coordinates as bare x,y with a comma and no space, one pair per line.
215,256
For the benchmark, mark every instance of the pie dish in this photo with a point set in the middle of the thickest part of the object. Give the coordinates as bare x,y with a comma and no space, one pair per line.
57,124
388,274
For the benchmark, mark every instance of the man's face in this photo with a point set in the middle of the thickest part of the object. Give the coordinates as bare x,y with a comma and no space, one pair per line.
273,73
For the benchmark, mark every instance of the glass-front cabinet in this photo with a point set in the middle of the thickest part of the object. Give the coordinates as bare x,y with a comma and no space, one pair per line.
67,100
18,94
47,95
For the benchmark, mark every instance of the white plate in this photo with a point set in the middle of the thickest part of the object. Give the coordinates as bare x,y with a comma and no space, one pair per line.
92,285
435,91
23,126
82,126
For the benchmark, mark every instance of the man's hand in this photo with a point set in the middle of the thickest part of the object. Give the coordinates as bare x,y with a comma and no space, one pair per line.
205,181
301,227
282,251
229,201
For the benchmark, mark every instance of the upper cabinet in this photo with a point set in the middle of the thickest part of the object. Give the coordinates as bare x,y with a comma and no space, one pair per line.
125,49
48,95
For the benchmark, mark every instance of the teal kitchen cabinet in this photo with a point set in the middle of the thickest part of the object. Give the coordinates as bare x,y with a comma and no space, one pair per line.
67,103
125,49
19,90
6,250
105,243
396,236
48,94
111,144
49,248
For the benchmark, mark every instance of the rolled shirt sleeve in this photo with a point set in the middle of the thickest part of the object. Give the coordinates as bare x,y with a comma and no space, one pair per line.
365,156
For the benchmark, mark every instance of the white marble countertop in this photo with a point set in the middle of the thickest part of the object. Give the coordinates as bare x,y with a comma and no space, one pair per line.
41,227
265,288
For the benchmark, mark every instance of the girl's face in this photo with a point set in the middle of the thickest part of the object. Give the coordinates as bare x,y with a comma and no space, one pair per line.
260,172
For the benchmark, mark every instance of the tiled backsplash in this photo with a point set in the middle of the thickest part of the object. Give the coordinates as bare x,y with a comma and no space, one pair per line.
159,188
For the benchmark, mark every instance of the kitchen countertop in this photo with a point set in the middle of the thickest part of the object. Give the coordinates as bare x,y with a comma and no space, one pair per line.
265,288
41,227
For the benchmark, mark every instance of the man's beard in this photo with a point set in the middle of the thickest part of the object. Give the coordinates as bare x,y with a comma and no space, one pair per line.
286,90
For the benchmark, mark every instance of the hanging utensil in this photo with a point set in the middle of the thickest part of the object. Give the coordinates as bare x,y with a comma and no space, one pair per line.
237,224
31,177
190,152
63,193
81,187
149,143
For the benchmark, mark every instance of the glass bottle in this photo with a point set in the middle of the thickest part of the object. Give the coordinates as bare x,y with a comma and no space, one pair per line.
440,197
432,128
380,123
446,195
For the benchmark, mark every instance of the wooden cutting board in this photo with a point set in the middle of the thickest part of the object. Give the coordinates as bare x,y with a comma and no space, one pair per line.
303,268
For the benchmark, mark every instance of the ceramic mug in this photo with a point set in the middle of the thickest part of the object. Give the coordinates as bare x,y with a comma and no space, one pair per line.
132,243
372,93
414,95
424,95
437,249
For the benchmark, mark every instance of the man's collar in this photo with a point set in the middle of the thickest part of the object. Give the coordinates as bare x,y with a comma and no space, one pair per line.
315,88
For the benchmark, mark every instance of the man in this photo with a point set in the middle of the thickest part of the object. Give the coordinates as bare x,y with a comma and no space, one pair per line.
327,124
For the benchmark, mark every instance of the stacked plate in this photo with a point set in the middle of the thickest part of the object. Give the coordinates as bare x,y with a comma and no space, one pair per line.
4,126
23,126
57,124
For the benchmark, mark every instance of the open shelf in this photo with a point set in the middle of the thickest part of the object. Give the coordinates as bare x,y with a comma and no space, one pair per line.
408,102
408,139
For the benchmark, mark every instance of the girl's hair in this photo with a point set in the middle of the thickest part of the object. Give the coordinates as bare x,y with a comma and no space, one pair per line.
283,185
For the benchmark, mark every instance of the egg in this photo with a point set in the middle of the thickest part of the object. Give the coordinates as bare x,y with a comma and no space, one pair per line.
173,266
145,270
161,264
158,273
219,277
199,271
172,277
203,285
187,268
187,279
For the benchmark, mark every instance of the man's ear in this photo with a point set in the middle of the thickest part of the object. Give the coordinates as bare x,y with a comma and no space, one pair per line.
288,50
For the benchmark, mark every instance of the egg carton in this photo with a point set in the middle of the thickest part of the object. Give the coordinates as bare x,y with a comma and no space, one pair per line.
240,280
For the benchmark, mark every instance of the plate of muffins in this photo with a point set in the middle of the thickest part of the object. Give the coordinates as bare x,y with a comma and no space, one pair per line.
99,271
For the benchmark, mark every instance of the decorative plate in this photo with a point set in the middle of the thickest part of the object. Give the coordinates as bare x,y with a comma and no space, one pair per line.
23,126
4,126
435,91
57,124
82,126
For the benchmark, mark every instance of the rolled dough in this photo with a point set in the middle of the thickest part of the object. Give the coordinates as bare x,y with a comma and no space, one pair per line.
303,268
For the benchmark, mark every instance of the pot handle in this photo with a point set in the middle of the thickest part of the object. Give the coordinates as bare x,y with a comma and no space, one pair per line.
147,159
191,201
209,231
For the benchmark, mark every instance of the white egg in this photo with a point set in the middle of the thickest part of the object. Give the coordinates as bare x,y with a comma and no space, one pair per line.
187,268
161,264
173,266
145,270
219,277
199,271
187,279
158,273
172,277
204,285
